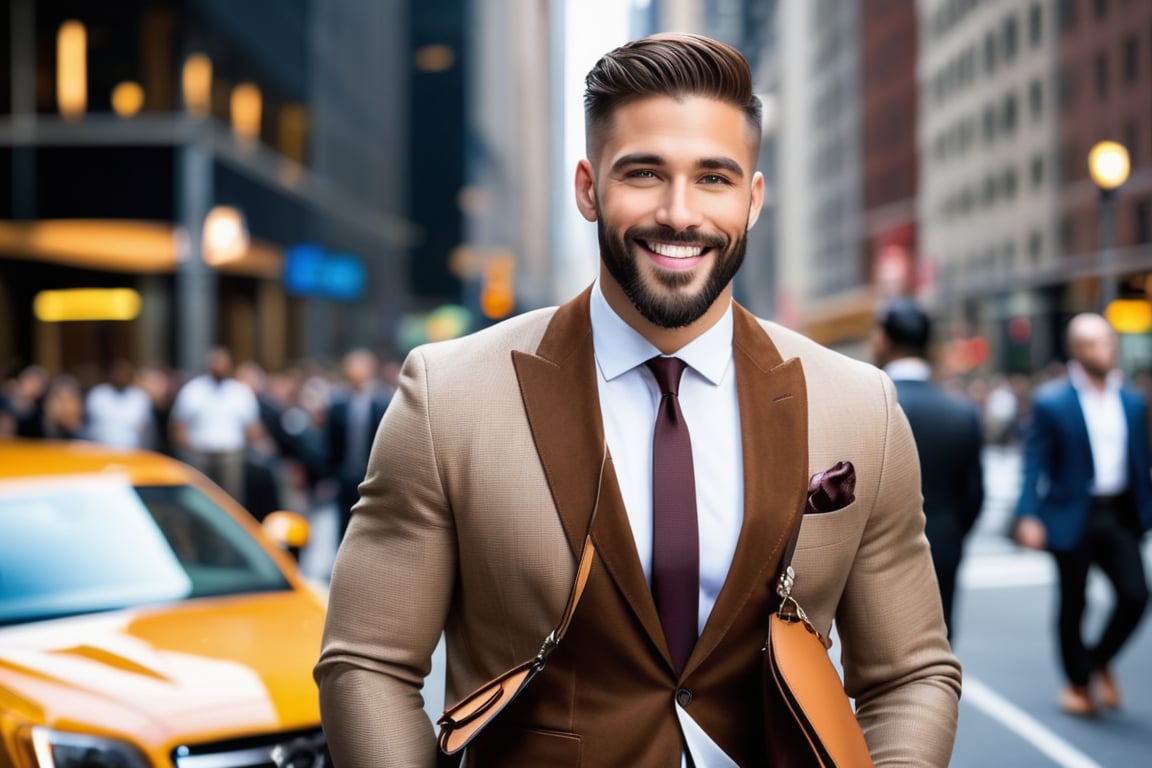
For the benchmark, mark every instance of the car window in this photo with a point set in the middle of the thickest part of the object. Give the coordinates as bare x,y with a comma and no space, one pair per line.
80,547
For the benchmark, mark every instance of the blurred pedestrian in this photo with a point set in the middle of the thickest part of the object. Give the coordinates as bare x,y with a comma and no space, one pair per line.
119,413
350,428
26,400
1087,498
949,439
62,414
214,418
485,478
160,386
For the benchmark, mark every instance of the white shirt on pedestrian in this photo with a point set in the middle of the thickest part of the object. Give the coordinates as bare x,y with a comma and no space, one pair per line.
1107,430
118,417
215,413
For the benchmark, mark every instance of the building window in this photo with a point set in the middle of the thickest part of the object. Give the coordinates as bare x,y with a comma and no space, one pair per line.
1009,114
1010,38
1037,170
1036,98
990,53
1132,142
1036,24
1068,233
1009,183
1143,226
1131,59
1101,7
1101,68
1066,81
1067,15
989,123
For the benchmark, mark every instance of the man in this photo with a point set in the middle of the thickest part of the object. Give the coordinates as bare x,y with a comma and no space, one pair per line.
948,434
213,420
350,428
484,475
119,413
1086,498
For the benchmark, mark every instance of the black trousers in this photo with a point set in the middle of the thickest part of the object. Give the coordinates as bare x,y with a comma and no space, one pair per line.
1111,541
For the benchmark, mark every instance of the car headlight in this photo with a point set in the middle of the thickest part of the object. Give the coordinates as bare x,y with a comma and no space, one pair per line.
57,749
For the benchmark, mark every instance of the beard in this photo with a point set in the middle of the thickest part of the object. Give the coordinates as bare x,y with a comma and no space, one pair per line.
662,300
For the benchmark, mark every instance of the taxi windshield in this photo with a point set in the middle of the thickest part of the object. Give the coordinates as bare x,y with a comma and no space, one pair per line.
77,547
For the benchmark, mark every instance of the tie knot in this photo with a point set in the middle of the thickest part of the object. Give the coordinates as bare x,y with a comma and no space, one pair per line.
667,371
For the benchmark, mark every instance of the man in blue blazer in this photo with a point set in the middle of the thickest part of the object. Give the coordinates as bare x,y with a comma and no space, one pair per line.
1087,498
949,439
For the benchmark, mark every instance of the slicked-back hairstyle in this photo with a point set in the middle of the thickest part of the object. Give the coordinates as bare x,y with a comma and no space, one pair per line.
667,64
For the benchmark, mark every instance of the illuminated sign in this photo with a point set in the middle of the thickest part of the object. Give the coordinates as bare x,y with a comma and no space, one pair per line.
310,270
86,304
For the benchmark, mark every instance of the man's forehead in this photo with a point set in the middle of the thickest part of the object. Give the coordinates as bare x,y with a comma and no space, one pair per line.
666,127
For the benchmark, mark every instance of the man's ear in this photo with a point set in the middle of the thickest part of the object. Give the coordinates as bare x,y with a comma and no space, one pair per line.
586,190
757,199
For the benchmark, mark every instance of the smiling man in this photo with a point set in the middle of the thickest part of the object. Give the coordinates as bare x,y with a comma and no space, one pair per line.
658,415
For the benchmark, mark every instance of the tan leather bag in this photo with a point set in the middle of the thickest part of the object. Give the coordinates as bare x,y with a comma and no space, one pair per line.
800,681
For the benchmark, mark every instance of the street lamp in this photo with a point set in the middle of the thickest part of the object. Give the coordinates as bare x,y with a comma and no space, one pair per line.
1108,165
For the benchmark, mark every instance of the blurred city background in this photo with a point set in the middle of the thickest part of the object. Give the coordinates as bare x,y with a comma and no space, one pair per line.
293,180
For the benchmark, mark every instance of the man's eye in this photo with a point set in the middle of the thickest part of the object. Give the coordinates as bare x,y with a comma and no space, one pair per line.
641,173
713,178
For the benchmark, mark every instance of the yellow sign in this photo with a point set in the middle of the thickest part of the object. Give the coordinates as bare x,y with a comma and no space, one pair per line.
1130,315
86,304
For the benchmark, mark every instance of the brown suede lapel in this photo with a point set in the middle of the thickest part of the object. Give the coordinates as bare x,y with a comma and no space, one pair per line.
561,398
774,436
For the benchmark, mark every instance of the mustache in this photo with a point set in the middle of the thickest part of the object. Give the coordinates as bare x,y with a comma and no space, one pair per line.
666,235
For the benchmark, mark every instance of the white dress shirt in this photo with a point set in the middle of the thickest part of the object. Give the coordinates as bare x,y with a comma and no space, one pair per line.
1107,431
629,398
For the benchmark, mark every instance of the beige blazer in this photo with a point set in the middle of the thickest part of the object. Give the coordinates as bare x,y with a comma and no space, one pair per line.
478,494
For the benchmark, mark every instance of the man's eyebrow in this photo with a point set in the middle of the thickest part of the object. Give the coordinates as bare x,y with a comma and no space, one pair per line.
637,158
707,163
722,164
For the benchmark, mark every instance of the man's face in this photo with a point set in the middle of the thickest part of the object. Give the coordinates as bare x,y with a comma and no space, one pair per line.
1093,345
673,192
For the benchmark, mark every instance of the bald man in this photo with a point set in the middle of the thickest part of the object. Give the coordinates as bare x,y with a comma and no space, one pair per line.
1087,499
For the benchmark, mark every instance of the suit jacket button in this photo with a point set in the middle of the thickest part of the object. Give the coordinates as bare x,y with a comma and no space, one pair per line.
684,697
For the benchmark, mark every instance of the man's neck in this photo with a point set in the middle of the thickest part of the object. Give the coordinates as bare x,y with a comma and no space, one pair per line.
667,340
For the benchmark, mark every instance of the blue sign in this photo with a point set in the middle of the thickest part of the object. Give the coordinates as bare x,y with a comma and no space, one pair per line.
310,270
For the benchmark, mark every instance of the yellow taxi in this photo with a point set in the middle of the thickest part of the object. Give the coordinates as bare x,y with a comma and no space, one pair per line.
146,619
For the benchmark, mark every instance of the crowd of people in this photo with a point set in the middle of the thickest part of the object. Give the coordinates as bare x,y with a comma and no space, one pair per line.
273,439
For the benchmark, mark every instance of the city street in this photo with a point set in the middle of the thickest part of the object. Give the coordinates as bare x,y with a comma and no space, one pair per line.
1005,638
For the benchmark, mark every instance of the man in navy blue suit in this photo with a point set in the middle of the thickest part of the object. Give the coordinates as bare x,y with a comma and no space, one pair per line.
351,428
949,439
1087,498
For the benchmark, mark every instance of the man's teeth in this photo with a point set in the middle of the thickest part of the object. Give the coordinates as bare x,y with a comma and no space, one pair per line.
676,251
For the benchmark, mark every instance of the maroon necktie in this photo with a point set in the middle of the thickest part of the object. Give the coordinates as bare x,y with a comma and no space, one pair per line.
675,536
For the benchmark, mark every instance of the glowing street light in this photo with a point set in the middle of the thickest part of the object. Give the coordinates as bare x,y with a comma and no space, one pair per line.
1108,165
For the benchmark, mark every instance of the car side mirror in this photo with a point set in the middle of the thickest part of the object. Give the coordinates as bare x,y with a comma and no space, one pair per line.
288,529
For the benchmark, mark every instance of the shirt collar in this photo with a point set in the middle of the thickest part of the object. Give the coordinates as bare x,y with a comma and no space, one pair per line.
1082,384
620,348
909,369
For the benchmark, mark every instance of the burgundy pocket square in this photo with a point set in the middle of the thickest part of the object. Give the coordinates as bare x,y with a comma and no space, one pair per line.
832,489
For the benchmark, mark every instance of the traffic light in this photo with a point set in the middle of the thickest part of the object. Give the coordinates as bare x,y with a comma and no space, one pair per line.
498,287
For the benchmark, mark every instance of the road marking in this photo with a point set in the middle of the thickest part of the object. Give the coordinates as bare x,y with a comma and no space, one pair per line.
1024,725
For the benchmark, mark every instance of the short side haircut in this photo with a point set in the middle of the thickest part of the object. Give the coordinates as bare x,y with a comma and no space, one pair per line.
669,64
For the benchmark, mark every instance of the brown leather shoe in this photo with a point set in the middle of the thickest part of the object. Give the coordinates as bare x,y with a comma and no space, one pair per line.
1106,690
1075,700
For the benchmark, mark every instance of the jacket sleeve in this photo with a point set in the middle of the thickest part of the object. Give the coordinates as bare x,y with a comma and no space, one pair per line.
391,587
1038,447
898,664
974,474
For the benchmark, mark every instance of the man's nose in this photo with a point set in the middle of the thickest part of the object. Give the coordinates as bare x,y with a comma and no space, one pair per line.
678,210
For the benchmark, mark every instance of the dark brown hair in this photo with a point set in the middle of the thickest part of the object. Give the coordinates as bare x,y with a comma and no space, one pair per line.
668,64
